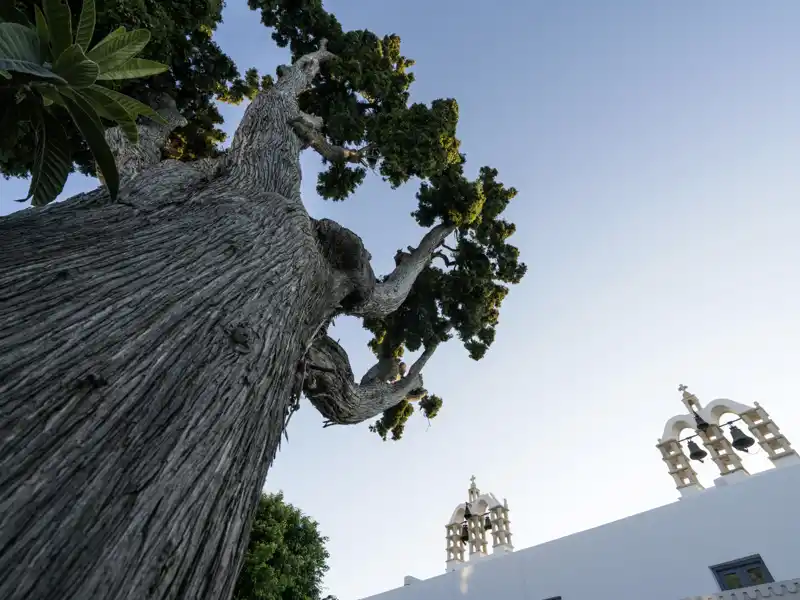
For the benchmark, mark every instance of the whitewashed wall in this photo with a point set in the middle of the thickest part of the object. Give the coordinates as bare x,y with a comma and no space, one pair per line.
662,554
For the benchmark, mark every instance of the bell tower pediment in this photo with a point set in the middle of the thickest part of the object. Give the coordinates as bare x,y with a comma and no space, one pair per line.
704,421
469,524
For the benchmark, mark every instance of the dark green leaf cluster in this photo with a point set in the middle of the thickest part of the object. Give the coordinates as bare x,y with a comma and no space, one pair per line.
364,100
52,65
198,73
393,421
461,292
286,557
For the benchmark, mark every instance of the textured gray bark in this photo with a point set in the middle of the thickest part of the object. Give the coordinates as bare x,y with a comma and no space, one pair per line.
331,388
151,351
391,293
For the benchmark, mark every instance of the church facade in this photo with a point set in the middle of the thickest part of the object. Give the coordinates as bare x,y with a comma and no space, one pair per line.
736,540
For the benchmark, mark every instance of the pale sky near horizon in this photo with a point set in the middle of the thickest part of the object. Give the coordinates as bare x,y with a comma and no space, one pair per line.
655,149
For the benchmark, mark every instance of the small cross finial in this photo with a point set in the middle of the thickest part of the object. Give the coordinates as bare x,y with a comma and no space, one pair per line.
472,480
683,388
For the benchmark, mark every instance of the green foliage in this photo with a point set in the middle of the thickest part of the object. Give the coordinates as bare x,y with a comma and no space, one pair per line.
199,72
464,295
286,556
47,66
364,99
394,420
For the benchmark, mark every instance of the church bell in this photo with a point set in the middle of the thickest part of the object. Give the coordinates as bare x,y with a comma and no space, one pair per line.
696,452
487,523
464,533
740,440
701,423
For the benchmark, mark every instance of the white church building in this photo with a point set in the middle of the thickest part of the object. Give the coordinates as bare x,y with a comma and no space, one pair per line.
737,540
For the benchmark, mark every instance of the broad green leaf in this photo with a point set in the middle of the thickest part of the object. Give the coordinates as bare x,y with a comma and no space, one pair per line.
129,129
29,68
52,162
83,36
75,68
20,43
135,67
91,129
42,31
99,102
57,162
59,21
5,74
68,93
119,49
133,107
110,109
108,38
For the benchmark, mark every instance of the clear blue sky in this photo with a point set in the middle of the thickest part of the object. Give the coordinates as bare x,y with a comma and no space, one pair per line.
655,146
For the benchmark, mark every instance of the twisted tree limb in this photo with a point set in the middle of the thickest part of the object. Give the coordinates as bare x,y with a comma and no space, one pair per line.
297,78
390,293
387,370
448,262
350,261
308,128
331,388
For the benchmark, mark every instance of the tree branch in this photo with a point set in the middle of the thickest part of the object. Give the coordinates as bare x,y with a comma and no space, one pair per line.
447,261
134,158
357,289
298,77
265,152
392,292
387,370
331,388
307,127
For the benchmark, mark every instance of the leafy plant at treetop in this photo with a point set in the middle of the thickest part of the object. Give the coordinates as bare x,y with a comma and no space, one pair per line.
363,98
48,64
199,73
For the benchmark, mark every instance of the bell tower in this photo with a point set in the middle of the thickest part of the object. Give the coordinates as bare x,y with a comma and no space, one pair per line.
468,527
705,421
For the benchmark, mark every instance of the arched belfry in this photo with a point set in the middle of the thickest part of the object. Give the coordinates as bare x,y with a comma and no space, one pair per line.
705,422
471,522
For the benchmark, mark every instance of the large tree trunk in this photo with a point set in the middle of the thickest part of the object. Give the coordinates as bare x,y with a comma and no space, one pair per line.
151,351
147,362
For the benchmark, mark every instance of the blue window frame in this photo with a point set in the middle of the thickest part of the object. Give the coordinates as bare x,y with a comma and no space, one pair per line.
742,573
